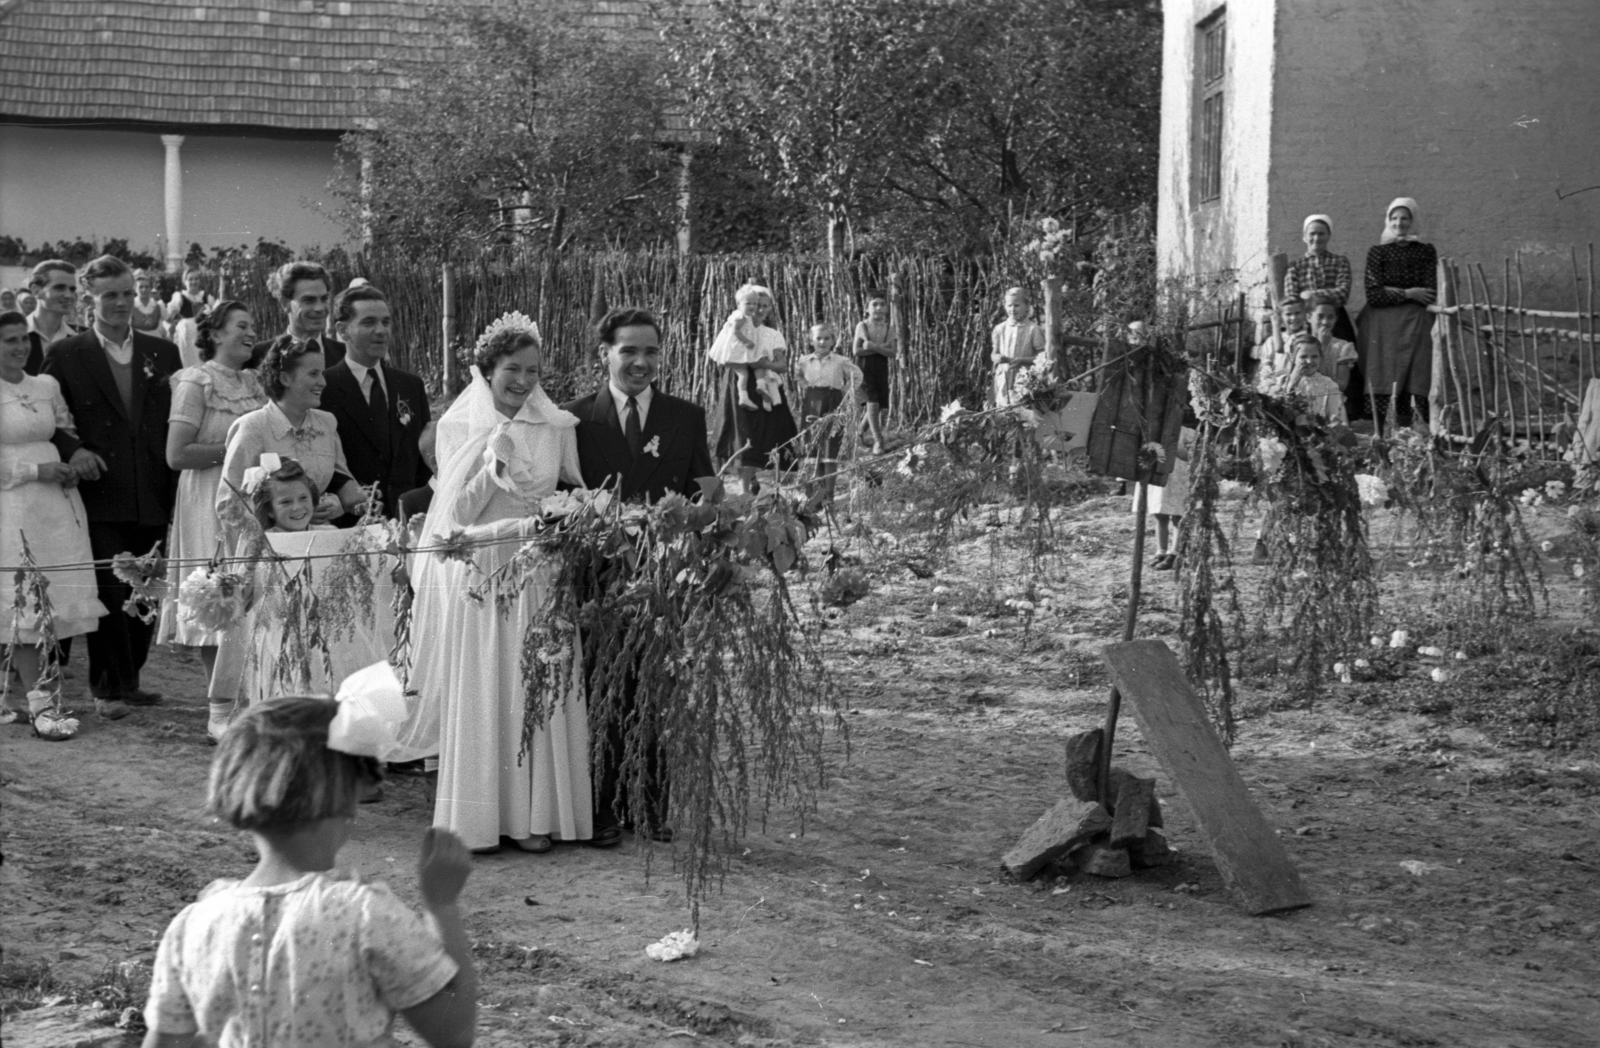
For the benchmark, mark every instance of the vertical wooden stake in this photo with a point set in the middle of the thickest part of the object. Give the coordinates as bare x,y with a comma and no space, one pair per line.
1522,347
1130,623
448,292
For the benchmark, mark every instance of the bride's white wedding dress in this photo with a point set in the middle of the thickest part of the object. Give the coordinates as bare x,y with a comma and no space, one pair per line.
466,666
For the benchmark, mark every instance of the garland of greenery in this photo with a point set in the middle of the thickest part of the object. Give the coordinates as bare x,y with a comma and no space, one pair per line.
1319,593
1466,513
692,644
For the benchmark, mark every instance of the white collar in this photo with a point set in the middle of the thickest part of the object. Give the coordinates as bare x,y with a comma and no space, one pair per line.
621,398
282,427
124,349
360,372
63,330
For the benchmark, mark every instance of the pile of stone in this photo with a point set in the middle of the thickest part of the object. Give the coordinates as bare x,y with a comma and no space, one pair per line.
1105,839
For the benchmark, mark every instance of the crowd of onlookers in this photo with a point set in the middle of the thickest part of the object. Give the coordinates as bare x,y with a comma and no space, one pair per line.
127,422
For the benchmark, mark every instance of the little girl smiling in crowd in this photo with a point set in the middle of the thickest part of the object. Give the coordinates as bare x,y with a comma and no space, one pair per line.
285,498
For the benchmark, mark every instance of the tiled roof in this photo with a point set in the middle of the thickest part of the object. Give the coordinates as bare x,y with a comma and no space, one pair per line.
292,65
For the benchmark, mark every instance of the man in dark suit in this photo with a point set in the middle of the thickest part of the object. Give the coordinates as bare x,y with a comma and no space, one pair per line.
382,410
303,289
655,443
116,383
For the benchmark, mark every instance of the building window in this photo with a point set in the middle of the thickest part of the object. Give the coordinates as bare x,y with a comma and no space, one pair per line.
1210,64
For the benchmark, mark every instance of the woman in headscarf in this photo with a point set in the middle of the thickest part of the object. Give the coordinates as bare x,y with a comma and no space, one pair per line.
1321,276
1394,337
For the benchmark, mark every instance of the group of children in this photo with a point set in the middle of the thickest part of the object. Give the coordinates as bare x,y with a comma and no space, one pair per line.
748,343
1306,358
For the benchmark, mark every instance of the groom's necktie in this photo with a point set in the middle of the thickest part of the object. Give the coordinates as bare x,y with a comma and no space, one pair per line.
379,406
632,429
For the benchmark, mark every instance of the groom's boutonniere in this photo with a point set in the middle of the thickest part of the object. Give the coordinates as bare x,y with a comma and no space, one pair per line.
654,447
402,411
149,369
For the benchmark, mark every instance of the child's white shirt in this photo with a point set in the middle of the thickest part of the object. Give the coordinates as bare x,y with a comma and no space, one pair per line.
1017,340
831,372
319,961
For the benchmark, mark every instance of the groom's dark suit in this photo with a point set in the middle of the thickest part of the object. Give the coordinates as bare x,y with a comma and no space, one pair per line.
387,451
676,461
676,456
130,506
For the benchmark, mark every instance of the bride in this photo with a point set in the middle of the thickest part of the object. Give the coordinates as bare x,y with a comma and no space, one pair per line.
502,446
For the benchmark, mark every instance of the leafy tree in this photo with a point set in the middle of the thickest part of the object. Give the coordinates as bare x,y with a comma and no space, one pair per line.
520,125
818,90
929,122
1045,106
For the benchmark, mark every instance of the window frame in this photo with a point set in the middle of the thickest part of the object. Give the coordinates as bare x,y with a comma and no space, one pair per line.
1209,120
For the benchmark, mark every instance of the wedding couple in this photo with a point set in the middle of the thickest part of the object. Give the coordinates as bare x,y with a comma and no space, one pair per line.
503,446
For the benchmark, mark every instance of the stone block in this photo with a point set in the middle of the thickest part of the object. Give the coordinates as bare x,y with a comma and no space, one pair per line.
1083,764
1131,816
1064,827
1120,778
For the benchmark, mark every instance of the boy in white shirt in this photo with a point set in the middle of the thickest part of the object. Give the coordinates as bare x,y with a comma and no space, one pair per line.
827,378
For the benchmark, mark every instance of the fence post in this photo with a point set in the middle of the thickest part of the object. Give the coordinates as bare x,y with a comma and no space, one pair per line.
448,364
1052,315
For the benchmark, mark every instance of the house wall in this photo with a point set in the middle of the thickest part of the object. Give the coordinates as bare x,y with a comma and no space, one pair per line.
62,184
1486,114
1207,240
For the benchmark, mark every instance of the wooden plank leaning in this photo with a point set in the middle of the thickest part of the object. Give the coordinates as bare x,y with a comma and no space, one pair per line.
1248,854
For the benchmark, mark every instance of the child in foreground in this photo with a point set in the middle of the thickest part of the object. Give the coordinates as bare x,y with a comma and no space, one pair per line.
827,377
745,340
295,954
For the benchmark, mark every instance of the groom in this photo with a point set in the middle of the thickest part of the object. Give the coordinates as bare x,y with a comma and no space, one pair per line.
648,443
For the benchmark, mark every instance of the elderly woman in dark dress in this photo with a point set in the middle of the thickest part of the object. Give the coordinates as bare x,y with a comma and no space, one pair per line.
1394,336
765,436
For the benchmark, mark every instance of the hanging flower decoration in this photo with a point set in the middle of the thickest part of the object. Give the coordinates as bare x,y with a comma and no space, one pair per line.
212,599
146,576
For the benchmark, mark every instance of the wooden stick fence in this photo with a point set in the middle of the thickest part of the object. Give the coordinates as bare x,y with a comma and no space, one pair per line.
1503,359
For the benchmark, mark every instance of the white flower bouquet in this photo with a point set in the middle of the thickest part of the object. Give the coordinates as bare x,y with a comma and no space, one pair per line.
212,599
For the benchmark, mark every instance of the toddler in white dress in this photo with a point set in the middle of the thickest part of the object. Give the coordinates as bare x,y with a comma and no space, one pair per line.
744,340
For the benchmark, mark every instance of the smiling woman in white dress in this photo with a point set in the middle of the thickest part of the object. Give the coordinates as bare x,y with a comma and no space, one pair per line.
503,446
39,501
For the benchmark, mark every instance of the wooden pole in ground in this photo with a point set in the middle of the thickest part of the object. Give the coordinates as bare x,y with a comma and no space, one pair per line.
1238,334
1130,623
1591,311
447,368
1446,321
1522,345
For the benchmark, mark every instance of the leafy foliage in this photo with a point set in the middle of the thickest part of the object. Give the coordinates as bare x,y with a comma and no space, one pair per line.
691,643
520,125
919,122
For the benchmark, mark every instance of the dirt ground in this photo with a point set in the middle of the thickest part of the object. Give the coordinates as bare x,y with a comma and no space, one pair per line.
888,921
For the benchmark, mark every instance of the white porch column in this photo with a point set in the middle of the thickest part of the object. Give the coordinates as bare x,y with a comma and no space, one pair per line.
175,251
